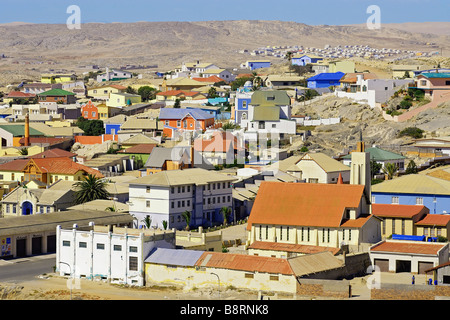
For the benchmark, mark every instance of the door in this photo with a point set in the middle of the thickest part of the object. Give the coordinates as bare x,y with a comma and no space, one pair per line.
36,245
424,266
21,248
382,265
402,266
51,244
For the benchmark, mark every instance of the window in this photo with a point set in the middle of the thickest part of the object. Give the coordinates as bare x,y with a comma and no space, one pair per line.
393,226
260,232
287,233
133,264
383,224
147,189
395,200
249,276
419,201
147,203
267,232
447,83
117,247
100,246
373,199
66,243
423,82
172,190
403,226
273,278
178,123
172,204
133,249
82,244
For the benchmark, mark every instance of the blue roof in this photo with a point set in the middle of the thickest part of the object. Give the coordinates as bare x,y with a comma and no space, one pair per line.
326,76
178,114
407,237
175,257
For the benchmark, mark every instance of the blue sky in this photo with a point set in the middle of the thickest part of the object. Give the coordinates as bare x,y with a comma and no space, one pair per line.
313,12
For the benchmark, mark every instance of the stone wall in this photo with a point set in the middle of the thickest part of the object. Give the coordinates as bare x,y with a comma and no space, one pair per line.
324,288
409,292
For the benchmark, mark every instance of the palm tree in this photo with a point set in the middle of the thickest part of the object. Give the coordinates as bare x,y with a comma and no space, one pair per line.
147,221
187,217
225,211
23,151
389,170
92,188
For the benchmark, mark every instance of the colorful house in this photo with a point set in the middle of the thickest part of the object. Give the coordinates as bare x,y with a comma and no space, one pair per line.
303,60
58,78
434,82
103,93
415,189
325,80
257,64
89,111
173,95
175,119
123,99
58,96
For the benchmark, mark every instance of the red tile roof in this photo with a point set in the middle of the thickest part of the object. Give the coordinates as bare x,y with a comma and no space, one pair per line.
95,139
290,247
54,153
140,148
434,219
19,94
304,204
213,78
398,210
14,165
63,166
244,262
402,246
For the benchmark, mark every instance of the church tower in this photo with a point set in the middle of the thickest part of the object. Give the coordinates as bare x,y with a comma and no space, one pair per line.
360,168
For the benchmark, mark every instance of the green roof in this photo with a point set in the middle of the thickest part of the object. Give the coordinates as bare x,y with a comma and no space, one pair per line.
18,130
435,75
57,92
378,154
270,98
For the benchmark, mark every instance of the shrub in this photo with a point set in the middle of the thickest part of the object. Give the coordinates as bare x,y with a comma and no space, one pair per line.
412,132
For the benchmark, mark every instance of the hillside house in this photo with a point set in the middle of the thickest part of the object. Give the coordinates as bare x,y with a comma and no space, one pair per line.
58,96
325,80
179,120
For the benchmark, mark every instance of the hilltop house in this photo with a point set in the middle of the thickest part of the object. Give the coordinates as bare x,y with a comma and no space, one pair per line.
256,64
164,196
269,111
430,147
303,60
114,75
325,80
434,84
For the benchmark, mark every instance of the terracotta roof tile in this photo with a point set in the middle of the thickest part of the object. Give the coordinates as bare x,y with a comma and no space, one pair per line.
54,153
304,204
212,78
244,262
397,210
14,165
408,247
434,219
140,148
290,247
63,166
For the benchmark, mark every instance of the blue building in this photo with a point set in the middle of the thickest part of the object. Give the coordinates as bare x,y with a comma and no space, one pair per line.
415,189
305,59
325,80
242,101
257,64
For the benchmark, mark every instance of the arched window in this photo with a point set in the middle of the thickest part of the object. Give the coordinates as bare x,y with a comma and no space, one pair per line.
244,116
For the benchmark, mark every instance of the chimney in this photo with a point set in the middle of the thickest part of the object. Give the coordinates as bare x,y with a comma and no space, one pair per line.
27,130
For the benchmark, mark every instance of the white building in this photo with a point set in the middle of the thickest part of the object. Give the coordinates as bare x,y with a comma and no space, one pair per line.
372,91
165,195
115,255
269,112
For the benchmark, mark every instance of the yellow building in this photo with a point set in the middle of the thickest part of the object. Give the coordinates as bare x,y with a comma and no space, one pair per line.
103,93
105,111
345,66
123,99
58,78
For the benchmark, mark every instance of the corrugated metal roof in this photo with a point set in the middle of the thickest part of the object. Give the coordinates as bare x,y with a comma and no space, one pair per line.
176,257
397,210
244,262
291,247
401,246
378,154
179,114
415,184
314,263
325,76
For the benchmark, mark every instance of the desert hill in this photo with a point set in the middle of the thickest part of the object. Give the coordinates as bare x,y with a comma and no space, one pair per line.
167,44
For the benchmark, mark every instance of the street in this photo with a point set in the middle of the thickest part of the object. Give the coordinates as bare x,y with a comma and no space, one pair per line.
25,269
